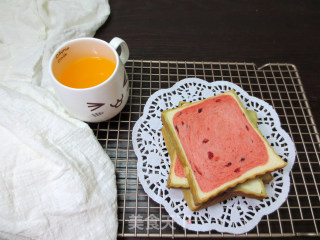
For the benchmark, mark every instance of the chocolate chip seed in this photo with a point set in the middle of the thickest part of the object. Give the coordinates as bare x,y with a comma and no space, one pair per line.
228,164
205,140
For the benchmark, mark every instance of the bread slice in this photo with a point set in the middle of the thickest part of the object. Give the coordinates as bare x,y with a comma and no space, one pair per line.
176,177
252,188
220,198
215,137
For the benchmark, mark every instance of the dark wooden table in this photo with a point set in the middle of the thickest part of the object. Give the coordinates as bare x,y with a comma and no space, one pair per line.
229,31
223,31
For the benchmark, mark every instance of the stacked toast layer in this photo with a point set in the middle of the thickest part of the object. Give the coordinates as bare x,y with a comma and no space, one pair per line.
219,147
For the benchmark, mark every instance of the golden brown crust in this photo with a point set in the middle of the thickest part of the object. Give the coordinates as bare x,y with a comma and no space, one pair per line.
173,180
266,178
220,198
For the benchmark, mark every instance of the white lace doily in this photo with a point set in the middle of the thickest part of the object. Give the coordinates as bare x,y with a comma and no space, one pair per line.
237,215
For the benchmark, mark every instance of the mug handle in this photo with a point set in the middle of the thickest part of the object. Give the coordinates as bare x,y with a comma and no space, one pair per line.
115,43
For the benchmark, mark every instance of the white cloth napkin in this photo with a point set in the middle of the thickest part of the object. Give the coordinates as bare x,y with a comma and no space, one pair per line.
56,181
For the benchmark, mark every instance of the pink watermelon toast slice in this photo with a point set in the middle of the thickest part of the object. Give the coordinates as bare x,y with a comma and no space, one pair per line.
218,145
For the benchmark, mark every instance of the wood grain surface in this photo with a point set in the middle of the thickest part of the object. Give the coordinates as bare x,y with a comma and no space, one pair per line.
229,31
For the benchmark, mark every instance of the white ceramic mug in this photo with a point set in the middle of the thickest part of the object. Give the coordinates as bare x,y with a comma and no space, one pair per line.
100,102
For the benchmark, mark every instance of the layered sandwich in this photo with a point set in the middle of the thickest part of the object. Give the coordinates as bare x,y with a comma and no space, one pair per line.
217,151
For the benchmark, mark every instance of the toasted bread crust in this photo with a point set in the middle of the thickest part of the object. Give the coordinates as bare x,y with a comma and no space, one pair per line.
194,207
173,181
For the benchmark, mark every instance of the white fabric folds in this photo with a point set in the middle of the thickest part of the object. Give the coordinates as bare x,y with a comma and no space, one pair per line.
56,181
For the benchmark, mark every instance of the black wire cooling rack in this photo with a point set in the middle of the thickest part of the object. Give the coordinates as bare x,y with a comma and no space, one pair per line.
277,84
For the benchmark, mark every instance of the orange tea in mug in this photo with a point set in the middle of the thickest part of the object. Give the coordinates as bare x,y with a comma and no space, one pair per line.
87,72
89,77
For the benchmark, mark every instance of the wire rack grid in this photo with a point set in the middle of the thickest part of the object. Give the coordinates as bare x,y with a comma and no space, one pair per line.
277,84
